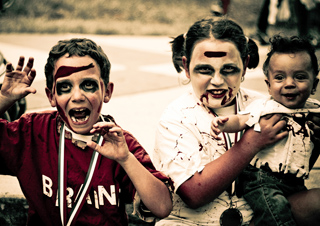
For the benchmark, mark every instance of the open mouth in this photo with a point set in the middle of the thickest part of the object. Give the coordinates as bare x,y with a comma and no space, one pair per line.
290,96
79,115
217,93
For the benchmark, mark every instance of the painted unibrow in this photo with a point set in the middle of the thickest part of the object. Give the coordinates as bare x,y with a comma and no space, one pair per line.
215,54
64,71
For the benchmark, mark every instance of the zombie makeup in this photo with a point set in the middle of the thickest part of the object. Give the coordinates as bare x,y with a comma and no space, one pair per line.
64,71
228,97
215,71
214,54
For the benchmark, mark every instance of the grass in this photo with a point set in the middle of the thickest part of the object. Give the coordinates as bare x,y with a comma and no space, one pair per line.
118,17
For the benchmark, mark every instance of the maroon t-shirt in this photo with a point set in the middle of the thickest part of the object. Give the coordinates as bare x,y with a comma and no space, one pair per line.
29,150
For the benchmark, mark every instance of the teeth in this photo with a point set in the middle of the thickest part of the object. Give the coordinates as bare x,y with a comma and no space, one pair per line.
74,119
78,110
217,91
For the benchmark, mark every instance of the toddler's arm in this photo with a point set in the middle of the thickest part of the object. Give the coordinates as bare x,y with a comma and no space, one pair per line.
153,192
229,124
16,83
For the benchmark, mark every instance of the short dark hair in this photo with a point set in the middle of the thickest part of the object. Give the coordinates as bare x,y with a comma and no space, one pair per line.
293,44
77,47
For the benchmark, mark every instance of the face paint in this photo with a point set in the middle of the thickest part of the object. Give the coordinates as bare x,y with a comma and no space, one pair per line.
227,98
101,85
63,116
64,71
215,54
204,96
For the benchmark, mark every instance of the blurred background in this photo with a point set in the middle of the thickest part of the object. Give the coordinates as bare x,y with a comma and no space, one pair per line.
134,17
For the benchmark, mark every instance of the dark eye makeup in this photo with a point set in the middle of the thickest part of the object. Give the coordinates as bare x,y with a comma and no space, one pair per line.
87,85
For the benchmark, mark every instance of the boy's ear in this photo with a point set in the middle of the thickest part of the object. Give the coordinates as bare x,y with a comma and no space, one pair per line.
268,84
108,92
186,69
315,84
51,97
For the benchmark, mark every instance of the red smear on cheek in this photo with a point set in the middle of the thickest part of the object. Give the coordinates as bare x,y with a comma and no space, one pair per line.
102,94
227,99
215,54
63,116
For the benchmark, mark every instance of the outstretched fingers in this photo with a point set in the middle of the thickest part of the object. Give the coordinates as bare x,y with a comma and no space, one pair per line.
29,65
20,63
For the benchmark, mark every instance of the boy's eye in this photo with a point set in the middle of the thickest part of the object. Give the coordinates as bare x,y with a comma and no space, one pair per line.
63,87
90,86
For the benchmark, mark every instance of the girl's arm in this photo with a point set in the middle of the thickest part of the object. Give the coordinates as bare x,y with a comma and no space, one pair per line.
217,175
314,125
152,191
16,83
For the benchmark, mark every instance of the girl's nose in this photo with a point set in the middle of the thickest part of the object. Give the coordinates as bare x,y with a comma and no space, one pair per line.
217,79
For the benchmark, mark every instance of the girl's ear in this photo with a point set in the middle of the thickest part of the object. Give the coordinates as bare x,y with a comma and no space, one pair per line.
51,97
268,84
314,87
186,69
246,65
108,92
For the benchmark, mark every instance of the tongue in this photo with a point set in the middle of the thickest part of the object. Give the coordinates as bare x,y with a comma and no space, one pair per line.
79,114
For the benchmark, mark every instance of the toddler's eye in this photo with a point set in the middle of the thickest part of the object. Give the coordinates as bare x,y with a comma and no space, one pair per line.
279,77
301,76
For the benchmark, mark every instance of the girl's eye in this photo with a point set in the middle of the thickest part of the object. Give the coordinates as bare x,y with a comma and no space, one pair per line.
63,87
229,70
205,70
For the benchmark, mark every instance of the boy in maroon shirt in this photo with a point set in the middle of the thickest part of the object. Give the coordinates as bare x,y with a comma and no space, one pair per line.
74,165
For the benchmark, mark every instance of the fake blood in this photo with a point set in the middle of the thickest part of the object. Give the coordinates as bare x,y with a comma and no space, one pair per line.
64,71
227,99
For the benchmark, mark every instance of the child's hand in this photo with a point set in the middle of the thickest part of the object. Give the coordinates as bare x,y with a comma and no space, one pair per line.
314,124
217,126
17,83
115,146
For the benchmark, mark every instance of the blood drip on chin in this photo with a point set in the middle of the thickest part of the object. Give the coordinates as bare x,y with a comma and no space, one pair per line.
227,98
204,96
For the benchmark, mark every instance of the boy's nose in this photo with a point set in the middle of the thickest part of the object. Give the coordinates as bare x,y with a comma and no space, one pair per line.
77,95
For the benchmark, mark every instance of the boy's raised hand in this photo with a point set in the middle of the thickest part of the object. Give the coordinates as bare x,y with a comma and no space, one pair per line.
115,146
217,125
17,83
